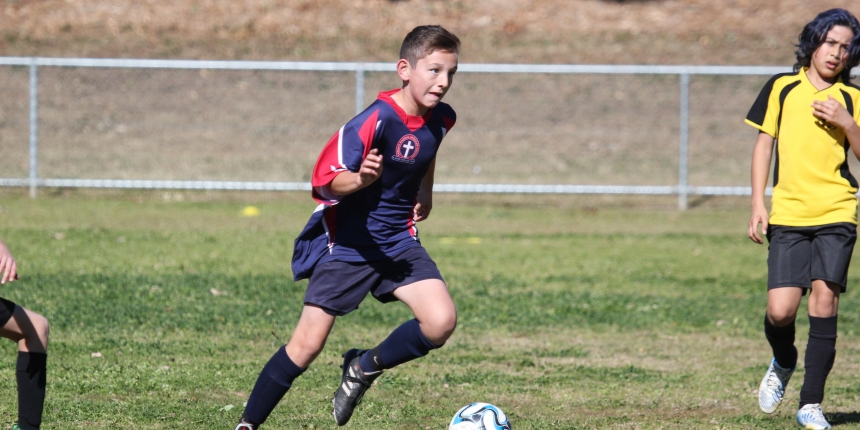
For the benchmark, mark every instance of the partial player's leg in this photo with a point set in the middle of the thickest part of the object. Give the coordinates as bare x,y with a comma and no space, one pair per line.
435,320
788,273
779,324
287,364
779,329
832,248
30,330
823,305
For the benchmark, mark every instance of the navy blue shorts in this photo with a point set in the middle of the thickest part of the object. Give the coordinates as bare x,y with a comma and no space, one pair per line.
799,255
6,309
338,287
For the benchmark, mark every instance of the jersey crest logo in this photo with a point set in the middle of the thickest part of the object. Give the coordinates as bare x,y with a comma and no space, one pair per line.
824,124
407,149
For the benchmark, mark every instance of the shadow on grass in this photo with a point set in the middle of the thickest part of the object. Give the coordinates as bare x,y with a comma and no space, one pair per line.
838,418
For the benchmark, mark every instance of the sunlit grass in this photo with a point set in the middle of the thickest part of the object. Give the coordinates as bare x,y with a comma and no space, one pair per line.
574,318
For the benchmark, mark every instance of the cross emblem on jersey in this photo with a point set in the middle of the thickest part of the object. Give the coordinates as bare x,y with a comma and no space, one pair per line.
407,149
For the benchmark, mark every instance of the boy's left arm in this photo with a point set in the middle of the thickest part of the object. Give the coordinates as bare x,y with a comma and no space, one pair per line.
425,195
834,113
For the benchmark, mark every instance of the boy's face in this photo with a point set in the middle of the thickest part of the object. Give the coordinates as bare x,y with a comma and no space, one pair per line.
429,79
830,58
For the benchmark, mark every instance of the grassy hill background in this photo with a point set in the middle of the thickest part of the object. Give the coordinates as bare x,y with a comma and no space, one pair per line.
517,31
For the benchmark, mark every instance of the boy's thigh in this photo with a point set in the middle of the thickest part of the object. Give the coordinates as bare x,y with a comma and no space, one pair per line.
789,257
832,247
798,255
409,267
339,287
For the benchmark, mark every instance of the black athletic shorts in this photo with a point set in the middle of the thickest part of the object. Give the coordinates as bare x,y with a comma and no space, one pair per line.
6,309
338,287
799,255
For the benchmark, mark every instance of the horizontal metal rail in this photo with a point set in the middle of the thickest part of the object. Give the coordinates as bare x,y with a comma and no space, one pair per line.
160,184
443,188
682,189
388,67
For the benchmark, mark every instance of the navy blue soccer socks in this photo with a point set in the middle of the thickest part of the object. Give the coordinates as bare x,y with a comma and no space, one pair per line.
273,383
404,344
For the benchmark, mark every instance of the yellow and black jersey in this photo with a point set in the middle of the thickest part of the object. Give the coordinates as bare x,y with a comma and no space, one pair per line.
811,181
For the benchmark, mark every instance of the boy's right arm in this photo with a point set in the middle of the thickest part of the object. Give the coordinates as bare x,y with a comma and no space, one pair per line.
8,266
348,162
762,154
349,182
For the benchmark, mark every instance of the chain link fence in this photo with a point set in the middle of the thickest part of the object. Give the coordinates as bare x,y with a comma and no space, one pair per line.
254,125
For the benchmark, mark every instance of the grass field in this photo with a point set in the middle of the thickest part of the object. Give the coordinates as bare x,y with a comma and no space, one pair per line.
570,315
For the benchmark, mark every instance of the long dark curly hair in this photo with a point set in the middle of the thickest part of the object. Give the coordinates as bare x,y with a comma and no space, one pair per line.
815,32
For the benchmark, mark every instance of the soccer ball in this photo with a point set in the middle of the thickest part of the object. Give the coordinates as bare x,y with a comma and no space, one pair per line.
479,416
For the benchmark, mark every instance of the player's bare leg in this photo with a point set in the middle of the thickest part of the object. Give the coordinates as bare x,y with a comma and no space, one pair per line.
823,300
30,330
310,335
782,305
432,306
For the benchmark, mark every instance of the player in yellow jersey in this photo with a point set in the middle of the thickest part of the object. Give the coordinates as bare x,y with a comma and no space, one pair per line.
808,118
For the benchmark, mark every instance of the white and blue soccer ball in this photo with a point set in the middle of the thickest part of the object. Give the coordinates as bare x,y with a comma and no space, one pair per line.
480,416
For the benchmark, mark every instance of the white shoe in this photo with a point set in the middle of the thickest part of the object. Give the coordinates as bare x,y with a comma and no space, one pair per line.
811,417
772,387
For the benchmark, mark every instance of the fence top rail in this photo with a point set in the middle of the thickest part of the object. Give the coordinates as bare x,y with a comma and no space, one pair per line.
385,67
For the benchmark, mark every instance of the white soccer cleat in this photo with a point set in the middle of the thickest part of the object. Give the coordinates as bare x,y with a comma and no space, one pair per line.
811,417
772,387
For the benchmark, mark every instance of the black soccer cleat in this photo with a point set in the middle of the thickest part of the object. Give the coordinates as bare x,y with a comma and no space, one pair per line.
353,384
244,424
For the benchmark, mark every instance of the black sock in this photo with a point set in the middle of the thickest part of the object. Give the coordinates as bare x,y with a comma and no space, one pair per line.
781,340
820,353
273,383
30,374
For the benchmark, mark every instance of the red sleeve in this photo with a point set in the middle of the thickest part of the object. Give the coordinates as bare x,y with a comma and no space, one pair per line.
449,123
345,150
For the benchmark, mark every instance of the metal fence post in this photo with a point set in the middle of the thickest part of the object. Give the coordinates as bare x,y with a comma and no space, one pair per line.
34,127
359,90
683,143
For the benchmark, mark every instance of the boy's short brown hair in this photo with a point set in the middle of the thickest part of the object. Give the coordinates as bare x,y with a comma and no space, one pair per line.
426,39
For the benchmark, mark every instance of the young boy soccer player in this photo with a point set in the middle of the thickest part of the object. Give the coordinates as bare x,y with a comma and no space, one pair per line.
812,116
374,181
30,330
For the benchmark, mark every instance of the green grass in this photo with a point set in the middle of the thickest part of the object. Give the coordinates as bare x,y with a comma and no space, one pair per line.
570,315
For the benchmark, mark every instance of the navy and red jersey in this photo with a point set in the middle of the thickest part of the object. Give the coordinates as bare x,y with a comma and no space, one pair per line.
374,222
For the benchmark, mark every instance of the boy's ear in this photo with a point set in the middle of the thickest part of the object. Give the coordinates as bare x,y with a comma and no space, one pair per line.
403,69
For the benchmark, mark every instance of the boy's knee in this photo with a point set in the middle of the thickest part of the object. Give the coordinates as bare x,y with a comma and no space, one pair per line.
312,347
40,332
823,309
781,317
304,348
441,326
43,327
